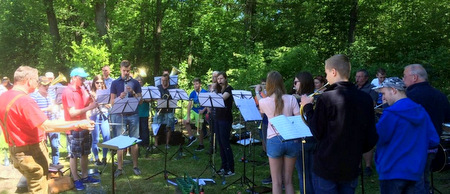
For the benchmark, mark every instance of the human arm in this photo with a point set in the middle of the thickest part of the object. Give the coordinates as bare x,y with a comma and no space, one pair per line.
63,126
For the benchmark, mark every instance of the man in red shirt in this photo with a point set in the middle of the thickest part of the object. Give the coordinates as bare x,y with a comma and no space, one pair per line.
76,102
24,125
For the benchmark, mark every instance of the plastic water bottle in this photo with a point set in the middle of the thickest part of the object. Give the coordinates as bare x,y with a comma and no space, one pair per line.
6,160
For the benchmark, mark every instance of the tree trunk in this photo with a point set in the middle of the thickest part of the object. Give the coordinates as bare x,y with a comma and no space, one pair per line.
52,22
250,10
353,21
157,36
101,21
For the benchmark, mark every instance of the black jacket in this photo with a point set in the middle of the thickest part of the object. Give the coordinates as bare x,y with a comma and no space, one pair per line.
435,103
343,123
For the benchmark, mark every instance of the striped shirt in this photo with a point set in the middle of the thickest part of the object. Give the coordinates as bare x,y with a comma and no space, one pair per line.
43,102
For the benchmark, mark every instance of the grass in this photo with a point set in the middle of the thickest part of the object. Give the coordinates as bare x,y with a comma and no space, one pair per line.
154,163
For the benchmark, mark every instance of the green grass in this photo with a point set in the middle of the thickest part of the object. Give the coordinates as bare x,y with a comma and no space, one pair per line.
188,165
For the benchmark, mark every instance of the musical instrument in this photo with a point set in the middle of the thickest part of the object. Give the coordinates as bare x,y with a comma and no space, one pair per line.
60,78
441,161
446,127
175,71
317,92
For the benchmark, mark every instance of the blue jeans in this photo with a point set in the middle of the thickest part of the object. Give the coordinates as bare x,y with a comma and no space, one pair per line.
397,186
308,162
222,130
325,186
278,149
132,121
423,186
103,128
144,133
54,143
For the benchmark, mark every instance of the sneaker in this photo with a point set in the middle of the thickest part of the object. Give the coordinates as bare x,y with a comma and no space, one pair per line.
167,147
267,180
191,141
79,185
137,171
368,171
228,174
98,163
200,148
118,173
221,172
90,179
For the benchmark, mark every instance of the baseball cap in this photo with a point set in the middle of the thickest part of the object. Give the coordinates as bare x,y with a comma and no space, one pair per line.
78,72
5,79
391,82
44,80
50,75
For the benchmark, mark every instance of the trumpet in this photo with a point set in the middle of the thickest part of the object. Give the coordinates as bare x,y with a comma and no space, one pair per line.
60,78
317,92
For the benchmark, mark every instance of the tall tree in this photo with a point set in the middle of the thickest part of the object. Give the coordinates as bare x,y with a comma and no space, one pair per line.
157,36
101,21
353,21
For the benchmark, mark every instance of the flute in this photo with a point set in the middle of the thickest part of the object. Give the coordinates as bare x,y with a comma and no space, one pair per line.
378,106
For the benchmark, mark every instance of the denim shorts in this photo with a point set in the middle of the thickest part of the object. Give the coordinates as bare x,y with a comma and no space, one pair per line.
125,125
277,148
166,118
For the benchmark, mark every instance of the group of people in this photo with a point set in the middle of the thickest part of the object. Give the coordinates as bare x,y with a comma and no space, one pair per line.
341,119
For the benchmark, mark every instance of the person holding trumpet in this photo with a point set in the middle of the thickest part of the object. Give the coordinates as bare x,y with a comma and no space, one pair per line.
343,123
24,125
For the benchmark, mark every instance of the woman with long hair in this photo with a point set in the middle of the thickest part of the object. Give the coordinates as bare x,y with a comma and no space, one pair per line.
304,84
282,154
100,116
319,82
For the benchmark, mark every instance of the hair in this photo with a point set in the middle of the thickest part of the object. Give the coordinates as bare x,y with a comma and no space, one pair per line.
215,72
275,85
365,72
218,86
108,66
125,63
321,79
417,69
306,83
96,78
197,80
341,63
24,73
138,78
381,71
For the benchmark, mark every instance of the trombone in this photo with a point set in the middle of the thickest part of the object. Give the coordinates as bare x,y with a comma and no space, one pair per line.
317,92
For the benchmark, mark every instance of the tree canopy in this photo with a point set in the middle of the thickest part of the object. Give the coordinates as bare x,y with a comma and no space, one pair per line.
246,38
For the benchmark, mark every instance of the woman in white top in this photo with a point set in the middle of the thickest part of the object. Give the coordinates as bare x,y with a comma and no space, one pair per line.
282,154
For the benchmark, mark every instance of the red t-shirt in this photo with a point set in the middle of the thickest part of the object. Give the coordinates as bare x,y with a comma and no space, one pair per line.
77,98
23,118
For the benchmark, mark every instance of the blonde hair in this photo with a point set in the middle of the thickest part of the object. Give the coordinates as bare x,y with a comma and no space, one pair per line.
24,73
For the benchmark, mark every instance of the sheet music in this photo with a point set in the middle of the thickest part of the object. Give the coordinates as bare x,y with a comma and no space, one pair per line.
290,127
125,105
241,94
103,96
178,94
58,90
173,80
206,98
120,142
155,128
248,109
163,103
150,92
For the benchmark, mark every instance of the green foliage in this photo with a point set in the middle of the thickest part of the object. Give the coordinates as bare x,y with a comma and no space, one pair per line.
91,57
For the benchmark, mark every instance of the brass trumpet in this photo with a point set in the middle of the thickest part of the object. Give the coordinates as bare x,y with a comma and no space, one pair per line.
60,78
317,92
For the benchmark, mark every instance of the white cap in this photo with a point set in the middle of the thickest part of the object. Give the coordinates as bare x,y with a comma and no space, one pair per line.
49,75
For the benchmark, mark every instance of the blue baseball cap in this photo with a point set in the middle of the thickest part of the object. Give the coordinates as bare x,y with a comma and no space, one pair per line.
78,72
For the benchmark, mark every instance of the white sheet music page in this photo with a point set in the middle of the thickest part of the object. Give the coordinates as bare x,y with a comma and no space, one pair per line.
248,109
290,127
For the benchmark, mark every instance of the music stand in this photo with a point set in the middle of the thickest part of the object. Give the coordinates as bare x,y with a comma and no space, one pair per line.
173,80
57,90
103,96
212,100
179,94
114,144
247,107
150,93
164,104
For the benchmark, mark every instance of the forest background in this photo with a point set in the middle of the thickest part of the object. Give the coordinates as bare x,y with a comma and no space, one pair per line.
245,38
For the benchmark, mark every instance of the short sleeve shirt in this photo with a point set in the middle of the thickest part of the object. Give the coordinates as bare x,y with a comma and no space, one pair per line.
76,98
267,106
195,102
23,119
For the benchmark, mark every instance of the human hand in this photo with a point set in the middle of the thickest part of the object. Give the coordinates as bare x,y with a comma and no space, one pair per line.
306,100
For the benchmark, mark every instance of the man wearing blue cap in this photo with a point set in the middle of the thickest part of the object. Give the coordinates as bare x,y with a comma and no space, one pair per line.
76,102
405,133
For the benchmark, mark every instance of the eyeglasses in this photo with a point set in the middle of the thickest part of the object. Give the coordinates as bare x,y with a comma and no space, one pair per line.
98,82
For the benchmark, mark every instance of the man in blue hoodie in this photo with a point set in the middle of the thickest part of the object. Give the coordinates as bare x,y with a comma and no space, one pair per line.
405,133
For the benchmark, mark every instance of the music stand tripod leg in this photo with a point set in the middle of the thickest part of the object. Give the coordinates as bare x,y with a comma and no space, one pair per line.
165,171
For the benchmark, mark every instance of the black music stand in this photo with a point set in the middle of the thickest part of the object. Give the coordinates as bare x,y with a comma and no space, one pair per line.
179,94
150,93
212,100
247,106
114,144
165,104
